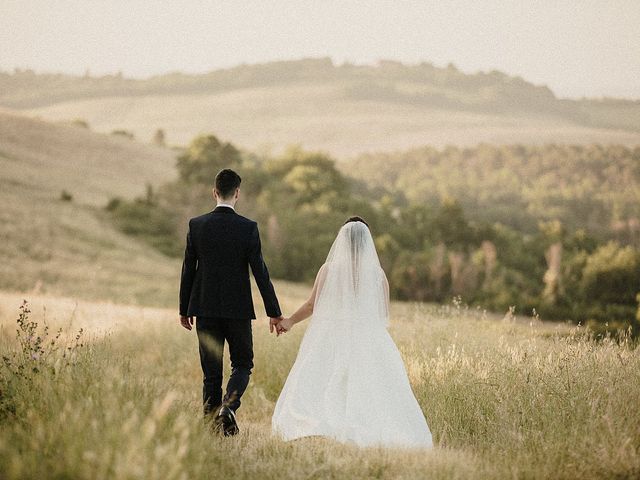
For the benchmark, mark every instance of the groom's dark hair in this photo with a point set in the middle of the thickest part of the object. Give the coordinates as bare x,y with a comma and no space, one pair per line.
226,182
356,219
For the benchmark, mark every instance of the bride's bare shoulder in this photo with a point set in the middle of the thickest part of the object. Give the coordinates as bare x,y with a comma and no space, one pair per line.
322,270
322,273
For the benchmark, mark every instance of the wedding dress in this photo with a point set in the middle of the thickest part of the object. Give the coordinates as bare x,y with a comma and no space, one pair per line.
349,381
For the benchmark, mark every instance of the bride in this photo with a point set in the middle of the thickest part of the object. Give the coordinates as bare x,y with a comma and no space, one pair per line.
348,381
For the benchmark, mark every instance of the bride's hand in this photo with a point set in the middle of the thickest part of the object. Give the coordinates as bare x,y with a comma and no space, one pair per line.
284,325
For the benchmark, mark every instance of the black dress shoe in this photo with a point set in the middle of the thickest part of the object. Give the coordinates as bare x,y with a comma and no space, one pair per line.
226,422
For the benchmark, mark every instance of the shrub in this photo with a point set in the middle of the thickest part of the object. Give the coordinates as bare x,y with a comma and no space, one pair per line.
80,122
144,219
159,138
66,196
123,133
39,352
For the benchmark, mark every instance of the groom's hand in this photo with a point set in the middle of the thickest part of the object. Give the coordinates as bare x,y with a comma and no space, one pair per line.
273,323
186,322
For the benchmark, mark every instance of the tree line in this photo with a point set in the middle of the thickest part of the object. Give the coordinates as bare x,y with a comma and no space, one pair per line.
439,232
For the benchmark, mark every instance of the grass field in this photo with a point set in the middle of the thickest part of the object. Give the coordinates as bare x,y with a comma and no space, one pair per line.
504,398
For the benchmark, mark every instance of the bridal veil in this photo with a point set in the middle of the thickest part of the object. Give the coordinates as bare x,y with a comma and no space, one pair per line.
348,381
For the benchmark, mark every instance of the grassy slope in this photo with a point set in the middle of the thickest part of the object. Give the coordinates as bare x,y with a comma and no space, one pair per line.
70,247
318,116
503,399
50,157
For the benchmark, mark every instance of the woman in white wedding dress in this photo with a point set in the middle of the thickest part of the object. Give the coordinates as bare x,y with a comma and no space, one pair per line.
348,381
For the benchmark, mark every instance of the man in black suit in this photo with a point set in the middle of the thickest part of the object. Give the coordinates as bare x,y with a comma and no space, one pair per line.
216,290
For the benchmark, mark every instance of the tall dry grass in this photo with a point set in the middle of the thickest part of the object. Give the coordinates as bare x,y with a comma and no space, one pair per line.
506,398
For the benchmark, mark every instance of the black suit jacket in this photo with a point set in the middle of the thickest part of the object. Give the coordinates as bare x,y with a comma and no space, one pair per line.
221,246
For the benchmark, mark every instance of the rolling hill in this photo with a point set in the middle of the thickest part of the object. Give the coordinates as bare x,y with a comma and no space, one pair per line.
343,109
49,246
69,247
49,157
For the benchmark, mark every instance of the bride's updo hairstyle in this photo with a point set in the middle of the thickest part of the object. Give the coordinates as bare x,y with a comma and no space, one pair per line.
356,219
352,286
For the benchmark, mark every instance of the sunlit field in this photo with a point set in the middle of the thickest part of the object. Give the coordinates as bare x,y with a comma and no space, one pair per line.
504,398
320,117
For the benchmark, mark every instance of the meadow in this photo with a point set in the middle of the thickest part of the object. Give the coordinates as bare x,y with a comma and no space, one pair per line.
508,397
504,397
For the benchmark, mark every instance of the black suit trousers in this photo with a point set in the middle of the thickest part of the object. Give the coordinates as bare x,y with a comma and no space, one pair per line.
212,334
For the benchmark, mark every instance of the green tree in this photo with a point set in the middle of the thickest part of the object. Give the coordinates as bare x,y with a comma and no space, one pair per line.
309,177
206,156
452,226
612,275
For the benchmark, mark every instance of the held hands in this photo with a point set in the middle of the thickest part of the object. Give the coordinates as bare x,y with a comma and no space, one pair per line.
285,325
280,325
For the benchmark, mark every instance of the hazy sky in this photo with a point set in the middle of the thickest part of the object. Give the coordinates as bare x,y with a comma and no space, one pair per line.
577,47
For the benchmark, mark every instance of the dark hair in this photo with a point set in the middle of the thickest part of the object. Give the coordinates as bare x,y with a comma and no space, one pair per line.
356,219
226,182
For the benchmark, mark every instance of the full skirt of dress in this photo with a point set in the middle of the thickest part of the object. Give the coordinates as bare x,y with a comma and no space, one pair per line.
349,383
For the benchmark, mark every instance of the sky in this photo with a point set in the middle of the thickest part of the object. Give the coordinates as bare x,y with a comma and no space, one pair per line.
577,48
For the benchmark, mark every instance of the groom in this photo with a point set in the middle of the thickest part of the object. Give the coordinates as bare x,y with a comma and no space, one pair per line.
216,290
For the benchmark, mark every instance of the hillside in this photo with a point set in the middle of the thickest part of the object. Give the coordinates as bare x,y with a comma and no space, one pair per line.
93,167
70,247
343,109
